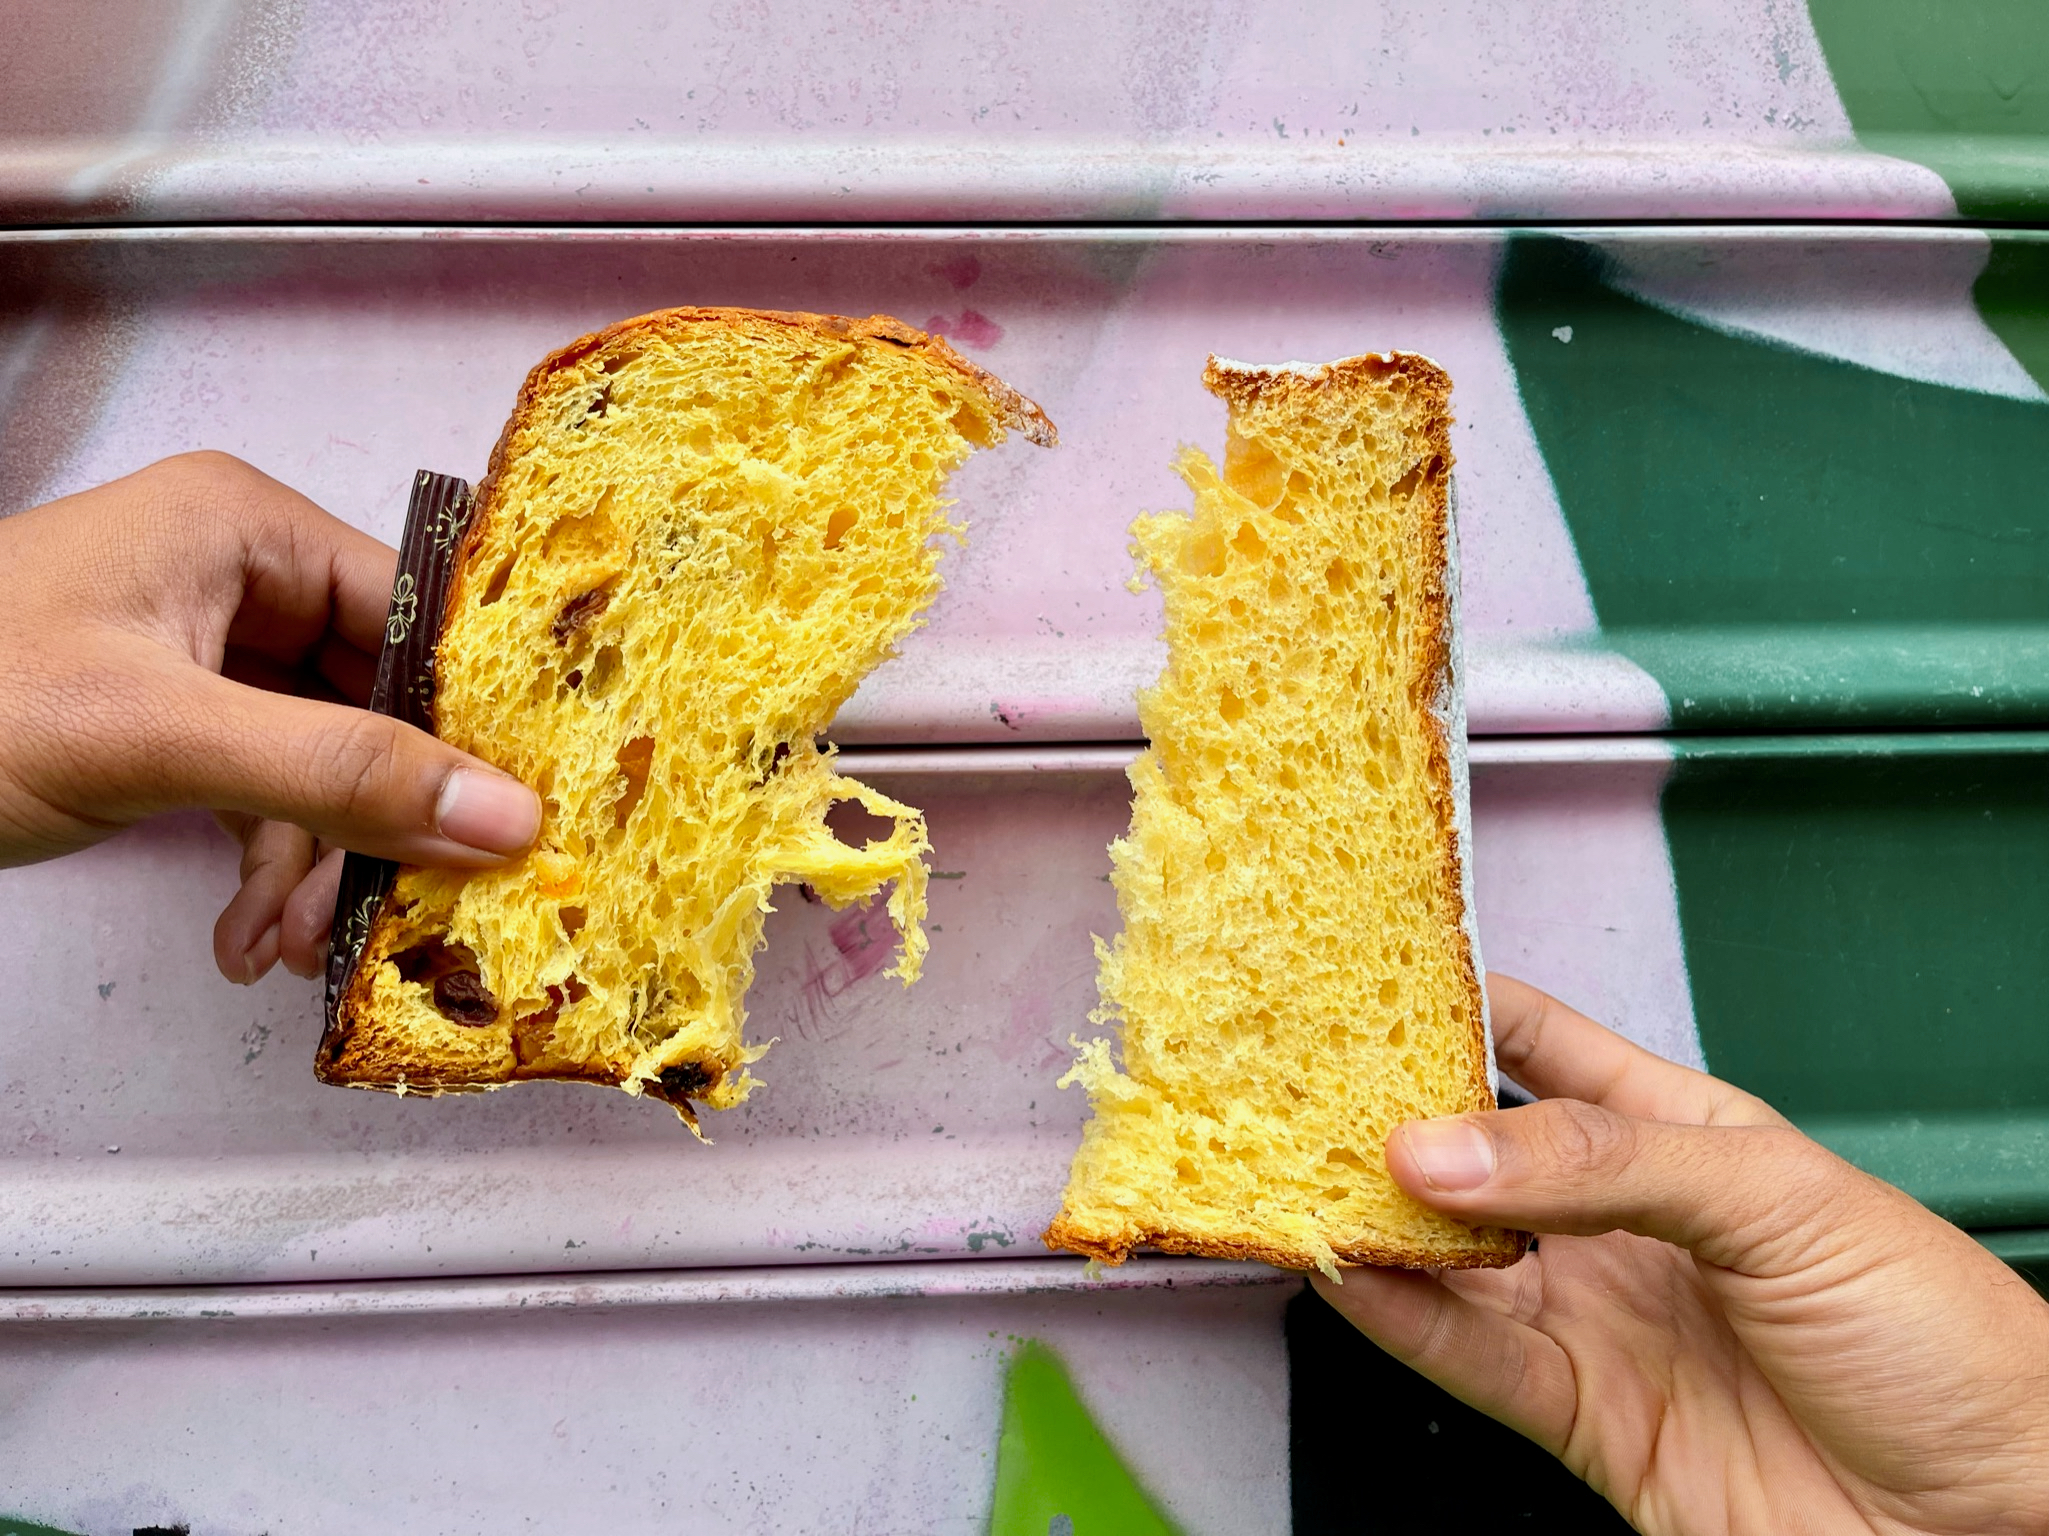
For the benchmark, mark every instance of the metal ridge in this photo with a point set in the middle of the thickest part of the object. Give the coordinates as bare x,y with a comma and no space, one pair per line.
802,1283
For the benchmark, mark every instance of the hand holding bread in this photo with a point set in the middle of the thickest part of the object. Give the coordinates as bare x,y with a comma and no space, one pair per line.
196,634
1724,1327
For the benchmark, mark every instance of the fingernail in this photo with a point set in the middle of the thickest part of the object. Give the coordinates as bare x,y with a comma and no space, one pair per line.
487,811
1451,1154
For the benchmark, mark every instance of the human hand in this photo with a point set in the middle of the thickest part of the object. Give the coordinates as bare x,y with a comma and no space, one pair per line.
195,635
1725,1327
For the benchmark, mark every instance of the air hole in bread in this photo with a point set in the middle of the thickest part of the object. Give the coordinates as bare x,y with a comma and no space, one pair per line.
495,587
1185,1171
572,920
1253,471
602,672
1230,706
1398,1031
857,826
1390,992
1347,1158
636,758
600,403
451,971
431,959
1248,542
1203,555
839,525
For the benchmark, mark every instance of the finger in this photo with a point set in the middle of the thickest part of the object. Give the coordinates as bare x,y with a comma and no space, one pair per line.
246,936
355,779
1507,1370
1557,1052
350,672
308,917
1752,1198
272,571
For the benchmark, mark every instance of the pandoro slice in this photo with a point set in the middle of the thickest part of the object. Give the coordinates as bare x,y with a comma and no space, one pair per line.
700,530
1297,973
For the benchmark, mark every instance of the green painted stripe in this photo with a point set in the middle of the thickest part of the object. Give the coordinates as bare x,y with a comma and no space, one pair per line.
1056,1472
11,1526
1800,676
1779,538
2012,294
1866,926
1950,745
1960,86
2027,1246
1977,1170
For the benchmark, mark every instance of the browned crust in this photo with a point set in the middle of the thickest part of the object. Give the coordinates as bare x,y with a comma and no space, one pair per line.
358,1052
1243,386
1064,1236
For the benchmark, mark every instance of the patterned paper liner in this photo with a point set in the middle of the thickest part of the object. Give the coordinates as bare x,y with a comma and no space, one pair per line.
435,521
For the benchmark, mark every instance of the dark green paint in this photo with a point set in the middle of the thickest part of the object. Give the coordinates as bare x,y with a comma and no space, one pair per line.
1960,86
1866,923
2012,294
13,1527
1053,1462
1782,539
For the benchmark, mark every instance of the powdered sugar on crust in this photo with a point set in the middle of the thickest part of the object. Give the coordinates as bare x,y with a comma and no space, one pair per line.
1450,709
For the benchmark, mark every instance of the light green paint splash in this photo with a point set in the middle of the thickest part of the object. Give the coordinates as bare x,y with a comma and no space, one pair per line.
1056,1474
1962,87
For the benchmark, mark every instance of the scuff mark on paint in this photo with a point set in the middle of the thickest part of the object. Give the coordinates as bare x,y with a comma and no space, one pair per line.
961,271
972,328
863,940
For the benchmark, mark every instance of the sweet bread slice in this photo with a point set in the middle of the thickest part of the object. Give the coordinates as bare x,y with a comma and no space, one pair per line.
700,530
1297,973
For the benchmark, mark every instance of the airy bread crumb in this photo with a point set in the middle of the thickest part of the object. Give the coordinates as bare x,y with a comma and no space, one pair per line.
1296,975
701,529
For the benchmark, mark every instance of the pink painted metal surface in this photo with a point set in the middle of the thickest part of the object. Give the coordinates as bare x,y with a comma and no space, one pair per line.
342,361
739,1401
167,1127
847,110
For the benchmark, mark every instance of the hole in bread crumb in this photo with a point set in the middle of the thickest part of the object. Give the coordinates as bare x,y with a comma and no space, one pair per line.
974,426
1335,1192
1218,1147
1186,1171
1203,555
604,668
868,586
572,919
1346,1157
1248,542
1398,1033
1230,706
600,403
636,758
1408,953
495,587
451,971
1390,992
1339,575
1295,1093
839,525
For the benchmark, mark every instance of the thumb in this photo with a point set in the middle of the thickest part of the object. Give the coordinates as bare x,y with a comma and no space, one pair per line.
1744,1197
354,779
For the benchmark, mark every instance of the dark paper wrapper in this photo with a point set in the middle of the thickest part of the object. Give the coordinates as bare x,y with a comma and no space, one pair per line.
435,522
